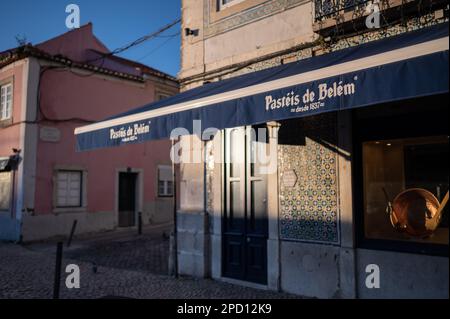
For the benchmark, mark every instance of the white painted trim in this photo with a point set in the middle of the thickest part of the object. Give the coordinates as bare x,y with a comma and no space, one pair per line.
338,69
19,191
26,180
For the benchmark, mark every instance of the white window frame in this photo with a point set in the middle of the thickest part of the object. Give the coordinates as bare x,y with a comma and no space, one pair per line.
6,105
70,173
223,6
166,179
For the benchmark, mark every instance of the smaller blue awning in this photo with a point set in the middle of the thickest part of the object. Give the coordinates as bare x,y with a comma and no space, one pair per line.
9,163
4,164
406,66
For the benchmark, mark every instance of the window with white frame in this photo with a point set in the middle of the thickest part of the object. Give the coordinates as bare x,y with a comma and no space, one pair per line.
165,181
69,188
5,101
223,4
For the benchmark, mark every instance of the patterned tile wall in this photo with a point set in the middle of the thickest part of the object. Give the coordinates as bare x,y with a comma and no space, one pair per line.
308,210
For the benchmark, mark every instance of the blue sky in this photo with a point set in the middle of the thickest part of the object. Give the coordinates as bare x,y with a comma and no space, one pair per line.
116,23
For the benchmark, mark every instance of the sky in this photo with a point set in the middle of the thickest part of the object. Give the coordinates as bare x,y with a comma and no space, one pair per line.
115,22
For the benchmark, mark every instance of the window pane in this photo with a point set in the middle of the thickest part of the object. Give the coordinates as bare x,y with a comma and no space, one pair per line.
170,188
5,101
165,173
225,3
237,140
411,174
73,200
237,213
62,201
161,188
62,176
69,188
8,110
259,157
165,180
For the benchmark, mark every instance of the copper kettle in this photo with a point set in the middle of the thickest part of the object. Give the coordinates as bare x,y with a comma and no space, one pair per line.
416,212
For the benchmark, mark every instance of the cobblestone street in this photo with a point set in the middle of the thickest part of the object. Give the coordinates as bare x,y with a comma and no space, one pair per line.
131,266
152,254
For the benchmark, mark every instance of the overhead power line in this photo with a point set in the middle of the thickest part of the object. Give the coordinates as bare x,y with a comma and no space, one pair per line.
145,38
159,46
140,40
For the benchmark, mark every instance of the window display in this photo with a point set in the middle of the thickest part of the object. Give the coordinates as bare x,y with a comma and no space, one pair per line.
405,184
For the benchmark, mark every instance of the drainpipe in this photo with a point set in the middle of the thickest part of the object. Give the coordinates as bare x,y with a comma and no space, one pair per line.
175,237
206,248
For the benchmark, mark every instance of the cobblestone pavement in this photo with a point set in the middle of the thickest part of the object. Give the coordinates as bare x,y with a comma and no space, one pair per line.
143,254
27,272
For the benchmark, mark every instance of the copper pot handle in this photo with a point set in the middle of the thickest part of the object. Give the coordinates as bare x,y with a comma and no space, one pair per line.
438,215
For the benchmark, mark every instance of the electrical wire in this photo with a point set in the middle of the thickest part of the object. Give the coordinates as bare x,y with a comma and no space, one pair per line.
139,41
159,46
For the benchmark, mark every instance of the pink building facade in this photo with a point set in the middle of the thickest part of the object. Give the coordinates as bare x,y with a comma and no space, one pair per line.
47,91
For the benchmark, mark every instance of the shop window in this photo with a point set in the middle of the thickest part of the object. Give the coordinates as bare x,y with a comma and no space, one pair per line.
69,188
405,180
401,175
165,181
5,101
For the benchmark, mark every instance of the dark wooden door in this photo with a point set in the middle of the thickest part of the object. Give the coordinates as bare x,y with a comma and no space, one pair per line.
245,219
127,199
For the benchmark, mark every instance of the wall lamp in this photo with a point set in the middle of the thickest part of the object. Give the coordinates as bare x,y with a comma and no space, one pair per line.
189,31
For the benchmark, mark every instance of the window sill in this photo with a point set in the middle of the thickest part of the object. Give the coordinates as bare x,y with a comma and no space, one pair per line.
60,210
6,123
403,247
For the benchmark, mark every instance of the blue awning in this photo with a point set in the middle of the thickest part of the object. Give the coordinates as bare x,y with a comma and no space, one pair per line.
406,66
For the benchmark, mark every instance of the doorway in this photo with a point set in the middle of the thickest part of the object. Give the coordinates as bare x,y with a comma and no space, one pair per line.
244,222
127,199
